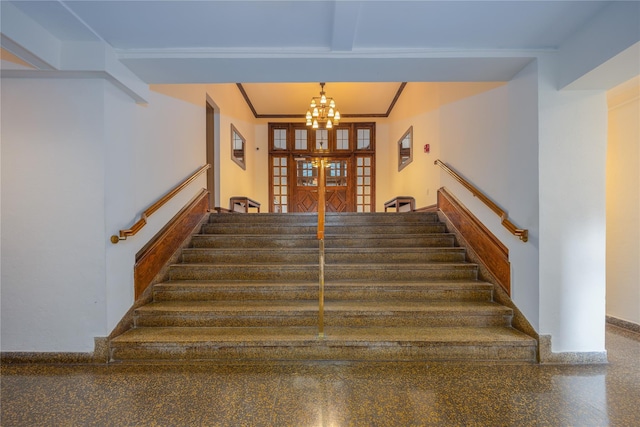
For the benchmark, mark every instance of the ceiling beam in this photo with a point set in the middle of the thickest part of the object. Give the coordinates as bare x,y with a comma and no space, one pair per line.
345,23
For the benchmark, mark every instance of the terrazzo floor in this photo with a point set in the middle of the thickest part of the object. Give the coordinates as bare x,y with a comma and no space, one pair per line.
329,394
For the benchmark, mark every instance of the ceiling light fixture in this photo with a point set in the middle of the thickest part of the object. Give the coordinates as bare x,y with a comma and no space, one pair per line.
323,112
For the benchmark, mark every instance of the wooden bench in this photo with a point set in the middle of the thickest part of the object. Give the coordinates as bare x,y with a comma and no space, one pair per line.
400,204
243,204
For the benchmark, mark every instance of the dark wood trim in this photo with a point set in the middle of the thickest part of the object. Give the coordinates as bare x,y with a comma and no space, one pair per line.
365,116
247,100
492,253
395,98
155,254
301,116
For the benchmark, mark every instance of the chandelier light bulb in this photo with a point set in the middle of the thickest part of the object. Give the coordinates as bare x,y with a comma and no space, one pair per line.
323,112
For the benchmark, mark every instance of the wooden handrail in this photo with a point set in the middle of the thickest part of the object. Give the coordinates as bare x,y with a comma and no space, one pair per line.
522,234
123,234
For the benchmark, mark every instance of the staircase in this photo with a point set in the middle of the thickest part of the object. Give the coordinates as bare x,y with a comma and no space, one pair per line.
396,288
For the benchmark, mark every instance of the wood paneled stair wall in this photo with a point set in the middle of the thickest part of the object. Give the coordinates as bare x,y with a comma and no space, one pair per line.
396,289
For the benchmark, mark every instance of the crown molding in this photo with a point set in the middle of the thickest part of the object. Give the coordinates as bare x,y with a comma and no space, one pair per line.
258,115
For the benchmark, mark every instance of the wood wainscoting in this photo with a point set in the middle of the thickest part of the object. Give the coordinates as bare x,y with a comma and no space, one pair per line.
155,254
492,253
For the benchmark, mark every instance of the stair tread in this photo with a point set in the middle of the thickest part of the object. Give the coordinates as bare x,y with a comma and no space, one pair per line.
368,266
280,307
332,236
334,250
441,284
244,336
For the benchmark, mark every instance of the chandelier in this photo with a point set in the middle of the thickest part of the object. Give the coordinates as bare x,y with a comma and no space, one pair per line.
323,111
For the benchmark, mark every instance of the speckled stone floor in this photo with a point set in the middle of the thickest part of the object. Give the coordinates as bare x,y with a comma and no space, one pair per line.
329,394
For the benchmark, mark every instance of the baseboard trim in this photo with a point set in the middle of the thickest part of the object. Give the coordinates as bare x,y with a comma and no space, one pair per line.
99,355
547,357
624,324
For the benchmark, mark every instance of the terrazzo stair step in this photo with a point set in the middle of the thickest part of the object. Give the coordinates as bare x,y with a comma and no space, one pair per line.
237,345
396,255
265,218
331,241
391,241
254,241
310,255
396,288
259,229
250,256
358,291
331,218
401,272
311,229
279,272
337,313
380,218
375,229
309,272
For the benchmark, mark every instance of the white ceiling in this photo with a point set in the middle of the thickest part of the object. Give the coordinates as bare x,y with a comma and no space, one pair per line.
315,24
258,42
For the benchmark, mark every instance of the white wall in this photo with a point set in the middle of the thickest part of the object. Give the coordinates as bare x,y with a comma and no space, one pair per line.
623,203
79,162
522,190
150,149
572,154
489,135
53,237
234,181
418,107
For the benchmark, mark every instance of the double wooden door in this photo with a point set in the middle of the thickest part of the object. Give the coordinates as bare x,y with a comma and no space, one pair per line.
348,151
338,185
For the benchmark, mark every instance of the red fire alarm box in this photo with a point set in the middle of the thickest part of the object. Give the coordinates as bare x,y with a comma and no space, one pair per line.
426,148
